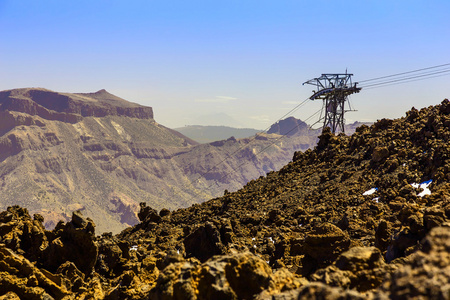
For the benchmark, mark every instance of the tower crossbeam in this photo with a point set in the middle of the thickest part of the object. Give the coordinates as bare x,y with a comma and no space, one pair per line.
334,90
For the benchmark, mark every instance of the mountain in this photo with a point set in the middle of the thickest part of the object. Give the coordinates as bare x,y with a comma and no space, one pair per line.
365,216
216,119
208,134
295,127
291,127
63,152
103,155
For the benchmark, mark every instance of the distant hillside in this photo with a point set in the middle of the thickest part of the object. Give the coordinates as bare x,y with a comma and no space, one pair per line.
208,134
103,155
290,127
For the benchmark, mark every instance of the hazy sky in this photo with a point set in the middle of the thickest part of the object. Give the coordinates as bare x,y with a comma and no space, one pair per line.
198,62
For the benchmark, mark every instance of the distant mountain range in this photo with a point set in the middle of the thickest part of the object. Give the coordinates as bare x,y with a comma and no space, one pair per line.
290,127
208,134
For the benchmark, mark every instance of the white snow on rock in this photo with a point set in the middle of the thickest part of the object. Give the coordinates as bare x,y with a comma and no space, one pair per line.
424,186
370,192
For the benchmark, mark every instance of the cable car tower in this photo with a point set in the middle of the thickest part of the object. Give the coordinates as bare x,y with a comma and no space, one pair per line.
334,90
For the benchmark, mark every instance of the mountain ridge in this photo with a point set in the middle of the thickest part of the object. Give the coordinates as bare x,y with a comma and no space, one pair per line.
70,107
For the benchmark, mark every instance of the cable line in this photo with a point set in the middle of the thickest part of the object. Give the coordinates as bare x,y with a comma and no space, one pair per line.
406,81
406,78
403,73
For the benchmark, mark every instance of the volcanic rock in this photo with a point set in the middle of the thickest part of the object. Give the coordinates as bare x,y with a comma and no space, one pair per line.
74,242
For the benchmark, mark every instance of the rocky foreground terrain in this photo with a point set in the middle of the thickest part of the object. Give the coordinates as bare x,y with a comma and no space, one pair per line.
358,217
103,155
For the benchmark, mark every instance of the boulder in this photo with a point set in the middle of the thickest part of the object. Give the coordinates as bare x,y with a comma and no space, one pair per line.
204,242
325,242
425,275
74,241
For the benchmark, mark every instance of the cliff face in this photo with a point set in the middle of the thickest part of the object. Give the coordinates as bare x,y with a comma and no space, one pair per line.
70,108
98,153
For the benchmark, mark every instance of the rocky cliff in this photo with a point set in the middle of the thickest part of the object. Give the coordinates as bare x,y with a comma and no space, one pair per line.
67,107
358,217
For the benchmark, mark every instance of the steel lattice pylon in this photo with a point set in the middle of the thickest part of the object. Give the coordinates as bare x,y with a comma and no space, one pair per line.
334,90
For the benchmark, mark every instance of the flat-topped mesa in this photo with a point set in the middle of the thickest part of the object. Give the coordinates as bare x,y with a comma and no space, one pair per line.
68,107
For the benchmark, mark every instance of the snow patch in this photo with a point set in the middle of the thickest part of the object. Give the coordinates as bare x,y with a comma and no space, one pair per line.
370,192
424,186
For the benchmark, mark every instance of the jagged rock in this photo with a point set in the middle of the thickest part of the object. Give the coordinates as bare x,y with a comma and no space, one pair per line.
325,242
164,212
433,217
21,233
426,274
380,153
322,291
239,276
74,279
10,296
20,276
360,268
73,242
204,242
148,214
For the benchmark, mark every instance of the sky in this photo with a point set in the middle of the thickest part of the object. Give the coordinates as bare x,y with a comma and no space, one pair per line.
234,63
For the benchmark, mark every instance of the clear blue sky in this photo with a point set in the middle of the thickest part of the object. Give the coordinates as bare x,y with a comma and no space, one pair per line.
194,60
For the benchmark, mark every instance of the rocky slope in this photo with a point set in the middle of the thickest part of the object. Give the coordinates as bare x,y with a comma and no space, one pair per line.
358,217
62,152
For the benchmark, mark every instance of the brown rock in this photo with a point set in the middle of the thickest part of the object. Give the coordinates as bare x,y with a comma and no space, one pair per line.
379,154
204,242
360,268
325,242
239,276
23,278
426,274
74,242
